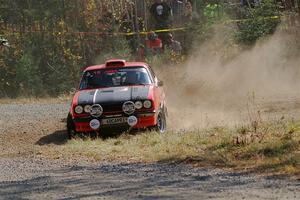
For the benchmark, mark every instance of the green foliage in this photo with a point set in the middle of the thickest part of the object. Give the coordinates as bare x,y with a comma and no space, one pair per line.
257,21
115,49
47,50
28,78
210,20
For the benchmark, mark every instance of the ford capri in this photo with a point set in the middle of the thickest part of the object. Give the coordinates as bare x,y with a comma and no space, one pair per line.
117,94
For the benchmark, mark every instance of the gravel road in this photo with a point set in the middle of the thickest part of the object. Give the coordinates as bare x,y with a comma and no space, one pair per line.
23,175
39,179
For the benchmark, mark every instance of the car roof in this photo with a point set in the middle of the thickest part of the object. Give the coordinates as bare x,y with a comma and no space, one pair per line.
116,63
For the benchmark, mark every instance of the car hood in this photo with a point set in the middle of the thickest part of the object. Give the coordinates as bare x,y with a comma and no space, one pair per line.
114,94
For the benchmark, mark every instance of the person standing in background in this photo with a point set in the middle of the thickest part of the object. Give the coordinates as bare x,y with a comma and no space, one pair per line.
153,44
188,10
182,11
161,13
173,45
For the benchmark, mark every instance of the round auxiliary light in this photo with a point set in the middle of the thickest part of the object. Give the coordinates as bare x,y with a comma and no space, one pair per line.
138,104
96,110
87,108
95,124
78,109
147,104
132,121
128,107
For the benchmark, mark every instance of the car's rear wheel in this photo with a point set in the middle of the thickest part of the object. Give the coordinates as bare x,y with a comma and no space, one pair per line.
71,127
161,125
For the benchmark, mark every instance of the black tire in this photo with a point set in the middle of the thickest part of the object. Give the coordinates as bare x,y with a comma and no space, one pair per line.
161,125
71,127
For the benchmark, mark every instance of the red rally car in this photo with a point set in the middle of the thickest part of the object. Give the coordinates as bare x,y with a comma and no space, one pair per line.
117,94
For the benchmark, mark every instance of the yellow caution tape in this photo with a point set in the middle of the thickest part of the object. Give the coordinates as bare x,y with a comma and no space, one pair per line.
245,20
146,32
156,31
185,28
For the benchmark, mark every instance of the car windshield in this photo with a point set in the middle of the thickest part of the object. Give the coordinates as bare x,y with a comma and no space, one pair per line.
115,77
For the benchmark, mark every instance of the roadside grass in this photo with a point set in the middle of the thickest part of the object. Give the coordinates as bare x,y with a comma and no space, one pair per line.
267,147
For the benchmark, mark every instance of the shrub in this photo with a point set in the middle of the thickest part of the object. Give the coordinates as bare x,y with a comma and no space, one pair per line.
257,21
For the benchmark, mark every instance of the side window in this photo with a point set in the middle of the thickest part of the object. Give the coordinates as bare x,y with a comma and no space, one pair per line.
83,82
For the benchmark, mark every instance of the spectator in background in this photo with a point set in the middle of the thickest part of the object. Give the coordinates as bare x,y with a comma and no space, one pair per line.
173,45
161,13
182,11
153,44
188,10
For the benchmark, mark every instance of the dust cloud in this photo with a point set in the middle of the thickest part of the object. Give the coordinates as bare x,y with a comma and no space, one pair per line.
221,83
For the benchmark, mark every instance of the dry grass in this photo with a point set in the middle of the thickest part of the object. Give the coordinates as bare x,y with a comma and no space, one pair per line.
266,147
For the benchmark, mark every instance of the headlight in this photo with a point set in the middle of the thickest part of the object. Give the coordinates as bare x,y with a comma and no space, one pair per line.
87,108
147,104
96,110
138,104
128,107
78,109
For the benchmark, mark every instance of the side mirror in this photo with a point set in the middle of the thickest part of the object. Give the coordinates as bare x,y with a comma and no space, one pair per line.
72,91
160,83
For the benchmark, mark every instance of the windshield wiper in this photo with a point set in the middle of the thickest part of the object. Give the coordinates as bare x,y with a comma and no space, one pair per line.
124,84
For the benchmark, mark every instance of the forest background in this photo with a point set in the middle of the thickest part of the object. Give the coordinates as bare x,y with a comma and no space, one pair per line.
49,42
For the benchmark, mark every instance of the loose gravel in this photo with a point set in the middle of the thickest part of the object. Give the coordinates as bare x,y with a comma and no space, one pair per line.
40,179
22,125
25,175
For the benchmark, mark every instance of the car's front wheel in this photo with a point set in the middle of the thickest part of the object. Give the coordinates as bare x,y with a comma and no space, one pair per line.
161,125
71,127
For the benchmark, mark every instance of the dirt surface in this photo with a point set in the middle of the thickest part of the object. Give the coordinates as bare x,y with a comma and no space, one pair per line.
23,125
48,180
25,175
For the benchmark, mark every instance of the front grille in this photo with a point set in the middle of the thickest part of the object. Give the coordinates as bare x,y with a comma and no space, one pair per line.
112,107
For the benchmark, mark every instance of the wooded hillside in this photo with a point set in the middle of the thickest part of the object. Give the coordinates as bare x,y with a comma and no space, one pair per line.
49,41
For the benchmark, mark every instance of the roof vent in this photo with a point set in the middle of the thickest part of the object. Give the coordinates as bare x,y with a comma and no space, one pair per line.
115,63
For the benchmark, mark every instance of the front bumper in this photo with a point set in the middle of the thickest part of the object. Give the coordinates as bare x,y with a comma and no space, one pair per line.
145,119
